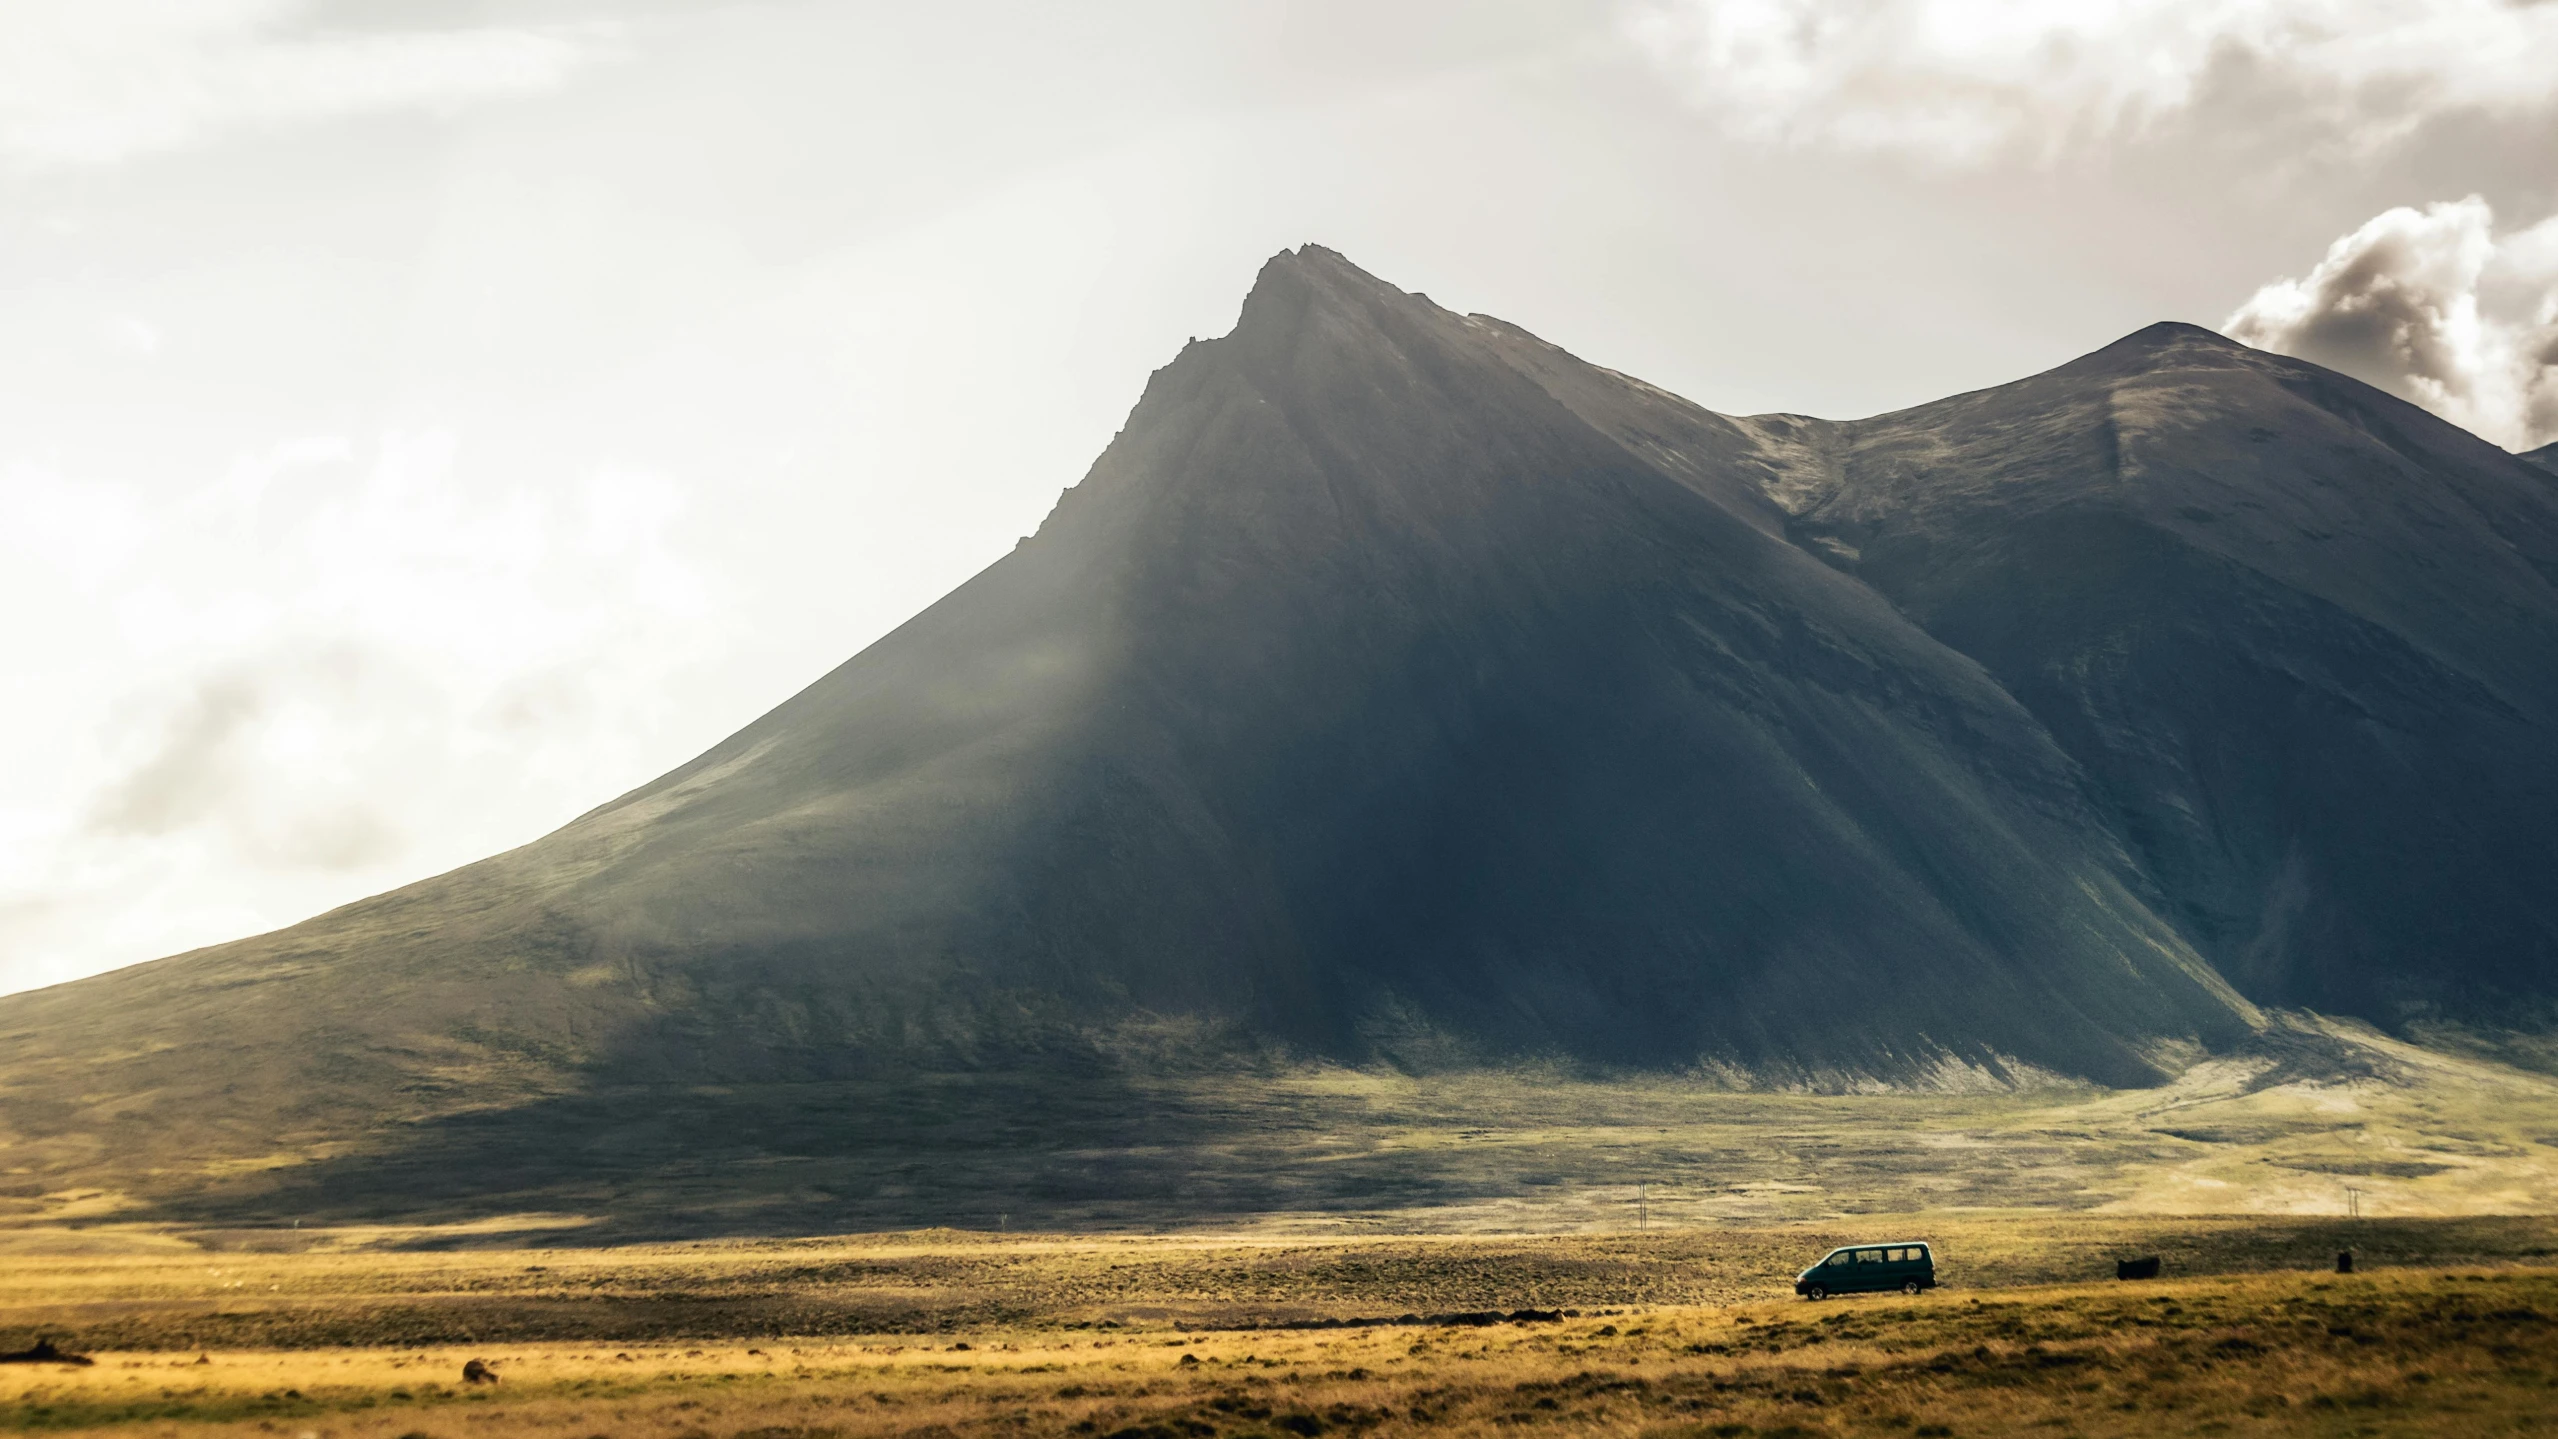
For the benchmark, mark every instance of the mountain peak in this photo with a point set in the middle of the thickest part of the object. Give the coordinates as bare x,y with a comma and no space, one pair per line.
2163,333
1295,282
2167,342
1323,261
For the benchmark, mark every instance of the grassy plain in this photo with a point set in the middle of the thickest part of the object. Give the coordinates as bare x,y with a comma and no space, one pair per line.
1180,1253
2318,1109
2451,1329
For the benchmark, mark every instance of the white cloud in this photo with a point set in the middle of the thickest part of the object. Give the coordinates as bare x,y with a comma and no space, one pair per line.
323,673
1967,81
133,335
92,81
2435,306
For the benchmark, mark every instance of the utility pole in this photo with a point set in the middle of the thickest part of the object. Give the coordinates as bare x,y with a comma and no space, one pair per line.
2353,1202
1642,1205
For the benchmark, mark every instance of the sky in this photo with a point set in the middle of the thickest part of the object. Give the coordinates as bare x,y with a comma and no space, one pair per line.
421,422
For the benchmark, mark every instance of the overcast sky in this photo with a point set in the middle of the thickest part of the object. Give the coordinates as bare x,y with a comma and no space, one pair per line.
420,422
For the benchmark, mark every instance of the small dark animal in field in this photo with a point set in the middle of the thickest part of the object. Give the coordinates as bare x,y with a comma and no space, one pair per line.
2145,1267
2344,1261
44,1353
477,1372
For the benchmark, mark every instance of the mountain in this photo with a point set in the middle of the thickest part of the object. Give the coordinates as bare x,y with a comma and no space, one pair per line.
1400,689
2300,636
2546,457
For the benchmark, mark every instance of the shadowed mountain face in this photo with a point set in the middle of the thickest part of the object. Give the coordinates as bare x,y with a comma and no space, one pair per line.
2546,457
2302,637
1398,687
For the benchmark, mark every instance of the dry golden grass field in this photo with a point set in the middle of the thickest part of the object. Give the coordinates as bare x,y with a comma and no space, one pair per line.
2449,1328
2321,1107
1182,1255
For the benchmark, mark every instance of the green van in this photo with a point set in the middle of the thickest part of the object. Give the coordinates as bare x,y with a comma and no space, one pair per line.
1905,1265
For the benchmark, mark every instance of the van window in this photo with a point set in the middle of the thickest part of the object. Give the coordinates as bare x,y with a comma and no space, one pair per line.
1869,1256
1841,1257
1896,1256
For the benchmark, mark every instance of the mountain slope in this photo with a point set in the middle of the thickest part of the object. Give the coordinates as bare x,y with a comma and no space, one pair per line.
2546,457
1367,699
2303,637
1399,688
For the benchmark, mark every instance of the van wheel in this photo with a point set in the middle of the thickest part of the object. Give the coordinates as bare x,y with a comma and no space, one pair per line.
1910,1287
1815,1292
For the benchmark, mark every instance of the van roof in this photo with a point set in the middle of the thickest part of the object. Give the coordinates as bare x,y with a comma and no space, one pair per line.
1882,1244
